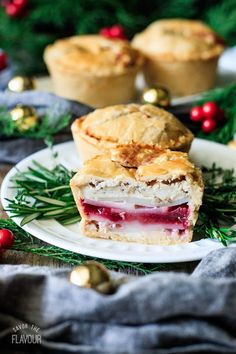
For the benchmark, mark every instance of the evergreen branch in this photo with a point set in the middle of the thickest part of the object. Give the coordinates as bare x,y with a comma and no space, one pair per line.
43,194
225,99
217,214
47,127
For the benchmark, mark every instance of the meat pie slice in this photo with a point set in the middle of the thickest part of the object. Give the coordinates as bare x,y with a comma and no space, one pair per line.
139,195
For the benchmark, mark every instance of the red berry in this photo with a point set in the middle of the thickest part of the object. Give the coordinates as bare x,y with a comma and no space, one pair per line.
3,60
210,109
6,238
117,30
209,125
20,3
196,114
105,32
12,10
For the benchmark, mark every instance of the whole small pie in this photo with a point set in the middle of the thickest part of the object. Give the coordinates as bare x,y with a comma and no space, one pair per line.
139,195
141,125
93,69
180,54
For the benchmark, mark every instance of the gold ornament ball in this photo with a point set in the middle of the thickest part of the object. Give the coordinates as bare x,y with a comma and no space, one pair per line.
24,117
158,96
232,144
92,275
20,84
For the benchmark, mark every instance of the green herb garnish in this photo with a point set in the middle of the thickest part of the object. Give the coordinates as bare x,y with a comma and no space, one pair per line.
218,211
44,194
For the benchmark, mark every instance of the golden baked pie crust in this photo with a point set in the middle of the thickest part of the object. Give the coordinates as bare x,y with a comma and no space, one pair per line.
143,125
93,55
178,39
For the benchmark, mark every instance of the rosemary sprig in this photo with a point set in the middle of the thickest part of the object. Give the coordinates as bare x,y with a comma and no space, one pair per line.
218,211
44,194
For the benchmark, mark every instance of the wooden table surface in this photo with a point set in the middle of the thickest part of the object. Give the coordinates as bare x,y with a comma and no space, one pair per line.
16,257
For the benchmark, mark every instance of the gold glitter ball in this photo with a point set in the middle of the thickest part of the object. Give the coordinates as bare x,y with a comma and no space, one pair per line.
158,96
232,144
92,275
21,83
24,117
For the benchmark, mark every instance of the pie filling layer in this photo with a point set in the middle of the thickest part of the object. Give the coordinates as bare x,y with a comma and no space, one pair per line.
169,217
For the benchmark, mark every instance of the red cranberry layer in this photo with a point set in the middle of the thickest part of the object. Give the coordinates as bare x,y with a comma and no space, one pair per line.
174,215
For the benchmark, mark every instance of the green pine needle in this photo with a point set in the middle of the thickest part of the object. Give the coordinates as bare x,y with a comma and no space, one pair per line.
225,99
43,194
218,212
47,127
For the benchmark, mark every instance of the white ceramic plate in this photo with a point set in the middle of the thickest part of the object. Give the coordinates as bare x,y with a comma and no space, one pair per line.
70,237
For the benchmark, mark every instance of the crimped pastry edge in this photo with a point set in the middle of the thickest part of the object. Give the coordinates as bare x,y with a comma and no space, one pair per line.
89,145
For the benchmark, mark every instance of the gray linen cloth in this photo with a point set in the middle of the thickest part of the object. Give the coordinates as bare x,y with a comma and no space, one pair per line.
12,150
6,75
164,313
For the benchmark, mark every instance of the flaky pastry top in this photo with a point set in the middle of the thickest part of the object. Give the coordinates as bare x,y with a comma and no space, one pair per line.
144,125
179,39
145,166
93,55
